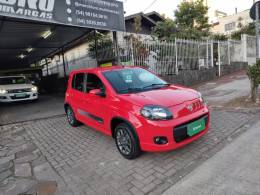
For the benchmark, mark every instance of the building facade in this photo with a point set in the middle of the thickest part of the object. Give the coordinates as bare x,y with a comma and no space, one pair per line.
77,57
229,24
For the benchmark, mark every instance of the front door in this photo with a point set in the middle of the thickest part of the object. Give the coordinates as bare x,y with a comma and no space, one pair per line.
96,107
77,95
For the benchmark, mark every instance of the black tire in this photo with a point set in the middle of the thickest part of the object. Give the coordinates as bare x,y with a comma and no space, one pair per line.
71,117
127,141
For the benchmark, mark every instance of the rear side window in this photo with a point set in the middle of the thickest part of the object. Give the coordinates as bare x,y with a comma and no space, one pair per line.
78,82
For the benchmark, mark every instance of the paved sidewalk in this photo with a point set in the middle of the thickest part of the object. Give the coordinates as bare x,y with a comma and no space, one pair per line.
226,88
235,170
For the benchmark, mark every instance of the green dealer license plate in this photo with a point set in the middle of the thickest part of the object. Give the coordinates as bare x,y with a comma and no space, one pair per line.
20,95
196,127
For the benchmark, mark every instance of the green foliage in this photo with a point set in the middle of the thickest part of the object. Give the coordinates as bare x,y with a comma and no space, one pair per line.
165,30
192,14
247,29
102,44
138,24
220,37
253,73
240,25
191,22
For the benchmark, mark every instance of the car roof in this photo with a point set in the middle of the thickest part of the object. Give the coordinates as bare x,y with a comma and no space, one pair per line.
104,69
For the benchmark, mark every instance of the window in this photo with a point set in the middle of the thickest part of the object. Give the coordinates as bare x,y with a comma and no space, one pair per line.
13,80
93,82
78,82
230,26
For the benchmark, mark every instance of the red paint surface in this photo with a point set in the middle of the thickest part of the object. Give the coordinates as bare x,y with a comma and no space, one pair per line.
128,106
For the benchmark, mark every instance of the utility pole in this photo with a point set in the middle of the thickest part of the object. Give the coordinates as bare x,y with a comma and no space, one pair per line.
257,29
115,42
64,63
96,52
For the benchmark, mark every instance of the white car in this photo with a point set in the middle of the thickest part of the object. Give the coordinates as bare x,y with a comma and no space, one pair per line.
17,88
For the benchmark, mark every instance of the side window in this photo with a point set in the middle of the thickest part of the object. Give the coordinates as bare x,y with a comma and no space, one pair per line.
78,82
93,82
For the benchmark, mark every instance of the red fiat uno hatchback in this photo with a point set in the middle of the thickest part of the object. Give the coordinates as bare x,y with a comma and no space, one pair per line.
138,109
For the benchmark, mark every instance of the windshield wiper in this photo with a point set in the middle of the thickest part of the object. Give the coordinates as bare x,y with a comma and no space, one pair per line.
160,85
131,89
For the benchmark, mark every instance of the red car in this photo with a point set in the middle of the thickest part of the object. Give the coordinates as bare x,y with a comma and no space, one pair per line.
138,109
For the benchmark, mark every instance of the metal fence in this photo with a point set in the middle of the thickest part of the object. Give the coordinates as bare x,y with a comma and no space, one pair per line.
167,58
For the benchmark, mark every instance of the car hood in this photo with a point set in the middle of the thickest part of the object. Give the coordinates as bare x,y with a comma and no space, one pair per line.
167,97
16,86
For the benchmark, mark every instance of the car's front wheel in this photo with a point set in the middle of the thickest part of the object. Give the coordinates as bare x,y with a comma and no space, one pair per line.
71,117
126,141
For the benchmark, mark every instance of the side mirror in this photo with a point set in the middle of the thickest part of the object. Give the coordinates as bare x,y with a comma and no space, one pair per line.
98,92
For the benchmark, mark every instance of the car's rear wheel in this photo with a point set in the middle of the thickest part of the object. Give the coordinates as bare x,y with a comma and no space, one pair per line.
71,117
126,141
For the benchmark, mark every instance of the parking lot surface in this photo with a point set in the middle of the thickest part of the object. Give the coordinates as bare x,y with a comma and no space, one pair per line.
46,106
38,147
84,161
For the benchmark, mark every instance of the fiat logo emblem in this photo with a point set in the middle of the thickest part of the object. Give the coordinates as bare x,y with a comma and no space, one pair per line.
190,107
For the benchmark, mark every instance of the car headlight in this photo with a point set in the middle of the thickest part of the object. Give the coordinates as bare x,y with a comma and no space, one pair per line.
152,112
3,91
201,98
34,89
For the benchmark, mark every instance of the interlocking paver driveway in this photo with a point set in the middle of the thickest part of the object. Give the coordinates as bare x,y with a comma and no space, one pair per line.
89,162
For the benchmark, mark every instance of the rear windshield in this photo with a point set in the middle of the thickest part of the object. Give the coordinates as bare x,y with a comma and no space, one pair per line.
13,81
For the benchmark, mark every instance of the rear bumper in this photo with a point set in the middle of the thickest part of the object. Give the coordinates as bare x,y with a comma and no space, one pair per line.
14,98
167,129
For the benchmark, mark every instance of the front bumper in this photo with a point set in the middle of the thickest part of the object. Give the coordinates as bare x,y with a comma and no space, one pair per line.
168,130
16,97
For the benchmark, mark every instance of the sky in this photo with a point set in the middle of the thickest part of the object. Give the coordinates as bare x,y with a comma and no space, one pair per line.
167,7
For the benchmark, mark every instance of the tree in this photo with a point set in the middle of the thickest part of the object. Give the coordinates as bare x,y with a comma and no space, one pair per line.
191,22
240,25
247,29
138,24
165,30
219,37
253,73
101,47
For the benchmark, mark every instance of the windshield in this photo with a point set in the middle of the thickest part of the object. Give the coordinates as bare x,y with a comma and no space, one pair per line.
133,80
13,80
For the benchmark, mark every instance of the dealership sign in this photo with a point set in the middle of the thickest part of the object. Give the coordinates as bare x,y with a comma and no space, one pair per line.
97,14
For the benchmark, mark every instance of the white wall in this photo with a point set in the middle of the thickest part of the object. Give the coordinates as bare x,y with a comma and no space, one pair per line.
232,19
75,58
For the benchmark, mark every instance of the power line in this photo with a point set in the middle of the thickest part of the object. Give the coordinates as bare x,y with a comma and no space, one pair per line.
150,5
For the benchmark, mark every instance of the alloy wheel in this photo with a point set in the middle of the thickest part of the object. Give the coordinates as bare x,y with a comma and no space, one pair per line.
124,141
70,116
